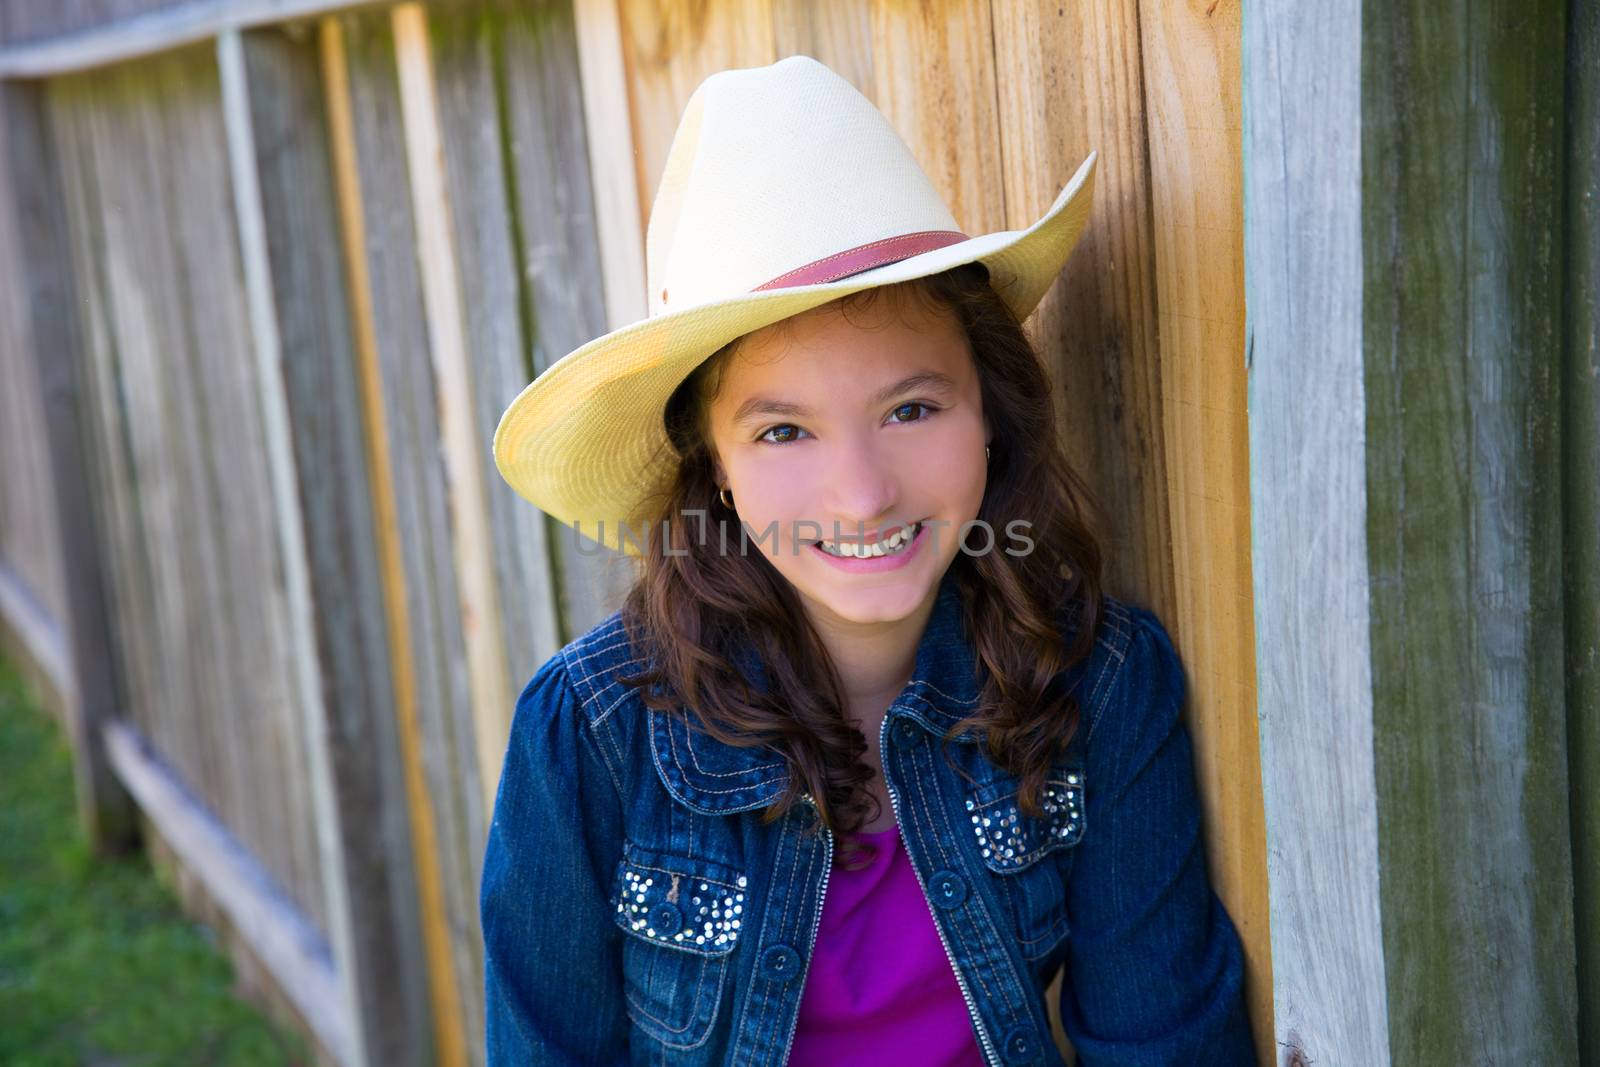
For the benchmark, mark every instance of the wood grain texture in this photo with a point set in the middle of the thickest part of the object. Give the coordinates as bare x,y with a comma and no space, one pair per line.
29,542
934,79
146,266
125,559
400,404
490,690
270,709
1308,490
286,216
1193,117
1462,146
669,49
485,160
608,127
46,40
1580,465
436,922
46,477
558,251
1074,86
836,32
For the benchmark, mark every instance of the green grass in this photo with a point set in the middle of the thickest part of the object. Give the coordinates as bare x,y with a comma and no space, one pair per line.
98,966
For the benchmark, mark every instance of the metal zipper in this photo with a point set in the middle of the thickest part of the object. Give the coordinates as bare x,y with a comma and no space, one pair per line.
990,1056
816,923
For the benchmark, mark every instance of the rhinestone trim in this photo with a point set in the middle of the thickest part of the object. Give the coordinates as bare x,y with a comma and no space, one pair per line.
1009,840
712,910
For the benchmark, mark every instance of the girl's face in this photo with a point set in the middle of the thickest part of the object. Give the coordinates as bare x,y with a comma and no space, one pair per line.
874,425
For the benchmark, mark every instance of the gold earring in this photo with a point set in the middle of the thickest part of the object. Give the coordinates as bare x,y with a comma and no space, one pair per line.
726,498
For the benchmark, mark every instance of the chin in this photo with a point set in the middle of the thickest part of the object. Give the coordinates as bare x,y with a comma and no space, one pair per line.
880,603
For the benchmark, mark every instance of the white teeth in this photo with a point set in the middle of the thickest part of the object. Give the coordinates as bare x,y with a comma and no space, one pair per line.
886,547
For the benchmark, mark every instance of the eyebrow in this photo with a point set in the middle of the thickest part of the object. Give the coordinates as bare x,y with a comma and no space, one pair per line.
761,405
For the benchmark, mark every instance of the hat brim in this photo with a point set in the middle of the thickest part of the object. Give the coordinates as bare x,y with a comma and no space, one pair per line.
584,441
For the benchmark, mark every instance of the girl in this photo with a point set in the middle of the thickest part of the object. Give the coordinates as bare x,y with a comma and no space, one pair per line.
866,757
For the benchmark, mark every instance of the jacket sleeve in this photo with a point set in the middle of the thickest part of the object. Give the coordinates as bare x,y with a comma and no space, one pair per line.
552,959
1155,967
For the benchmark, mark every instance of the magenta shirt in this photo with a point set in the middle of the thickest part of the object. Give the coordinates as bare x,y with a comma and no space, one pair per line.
879,988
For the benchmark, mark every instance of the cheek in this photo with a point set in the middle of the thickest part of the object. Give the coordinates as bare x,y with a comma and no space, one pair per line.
949,468
767,488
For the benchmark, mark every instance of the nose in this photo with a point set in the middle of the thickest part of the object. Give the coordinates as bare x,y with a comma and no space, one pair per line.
863,486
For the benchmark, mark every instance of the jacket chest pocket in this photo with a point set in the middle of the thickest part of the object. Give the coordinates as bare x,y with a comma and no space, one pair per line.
683,917
1022,851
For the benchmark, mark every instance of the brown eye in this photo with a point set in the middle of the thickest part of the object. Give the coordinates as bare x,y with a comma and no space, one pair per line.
767,437
913,404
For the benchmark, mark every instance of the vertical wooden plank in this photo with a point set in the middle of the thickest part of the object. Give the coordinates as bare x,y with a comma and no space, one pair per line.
1312,584
106,439
499,312
620,216
1192,104
490,694
1461,148
934,65
42,341
558,247
667,50
383,952
1405,261
1075,85
300,288
438,785
1580,463
259,718
147,319
836,32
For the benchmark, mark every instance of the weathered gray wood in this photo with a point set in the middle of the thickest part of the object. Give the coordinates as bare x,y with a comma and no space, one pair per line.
256,721
288,227
438,662
1303,208
147,320
42,341
1462,148
107,449
290,946
499,311
553,198
28,541
22,21
136,28
1403,247
1580,462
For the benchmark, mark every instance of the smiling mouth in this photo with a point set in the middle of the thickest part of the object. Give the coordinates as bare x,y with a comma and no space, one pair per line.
893,545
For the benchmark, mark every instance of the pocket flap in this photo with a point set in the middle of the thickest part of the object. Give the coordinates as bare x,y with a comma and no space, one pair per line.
679,901
1008,839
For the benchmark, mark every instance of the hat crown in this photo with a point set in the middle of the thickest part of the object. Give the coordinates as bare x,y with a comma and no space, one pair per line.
773,168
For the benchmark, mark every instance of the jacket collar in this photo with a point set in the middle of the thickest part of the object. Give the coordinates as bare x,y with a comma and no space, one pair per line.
716,778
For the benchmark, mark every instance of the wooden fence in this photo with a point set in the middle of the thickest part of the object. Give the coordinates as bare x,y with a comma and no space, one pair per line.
270,270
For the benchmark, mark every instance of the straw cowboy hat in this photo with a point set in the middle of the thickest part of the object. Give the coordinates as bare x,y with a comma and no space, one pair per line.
784,188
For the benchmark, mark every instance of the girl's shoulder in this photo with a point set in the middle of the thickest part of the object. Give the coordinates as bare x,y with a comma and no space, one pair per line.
1134,679
587,670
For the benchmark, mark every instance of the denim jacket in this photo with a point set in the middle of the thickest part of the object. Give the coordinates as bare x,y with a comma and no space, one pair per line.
636,910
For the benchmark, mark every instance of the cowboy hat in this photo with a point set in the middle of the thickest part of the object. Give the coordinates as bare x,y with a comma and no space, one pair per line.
784,188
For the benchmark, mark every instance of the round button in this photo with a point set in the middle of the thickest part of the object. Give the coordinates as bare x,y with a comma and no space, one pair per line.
1020,1045
947,889
780,963
666,919
908,731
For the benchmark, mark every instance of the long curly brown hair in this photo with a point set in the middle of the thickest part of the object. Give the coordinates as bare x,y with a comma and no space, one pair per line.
692,604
